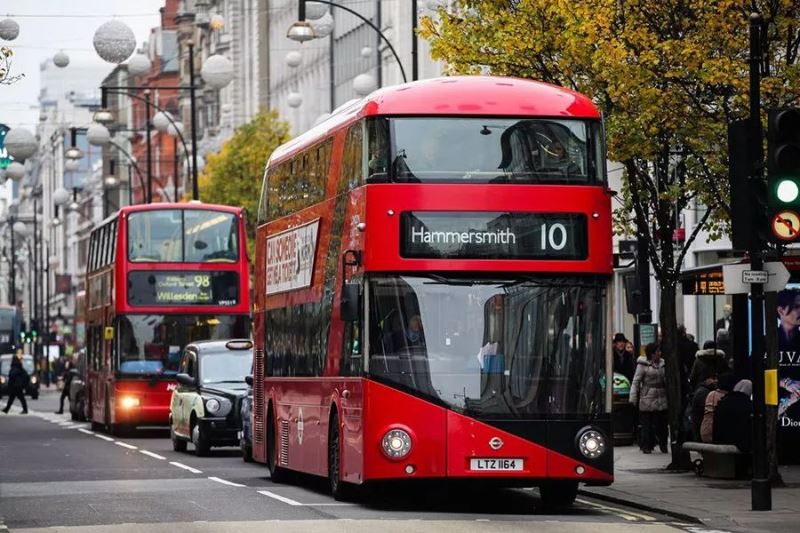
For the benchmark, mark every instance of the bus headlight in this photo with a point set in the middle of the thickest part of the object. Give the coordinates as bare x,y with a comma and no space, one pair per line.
129,402
591,443
396,444
212,405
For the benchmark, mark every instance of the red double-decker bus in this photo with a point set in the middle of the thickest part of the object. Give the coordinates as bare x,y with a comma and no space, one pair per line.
159,276
432,274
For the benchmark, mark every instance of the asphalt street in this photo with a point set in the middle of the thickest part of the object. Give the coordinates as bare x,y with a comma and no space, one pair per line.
57,475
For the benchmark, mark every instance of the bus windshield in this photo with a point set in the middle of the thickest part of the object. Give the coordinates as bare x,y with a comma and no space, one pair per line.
518,348
152,344
494,150
183,236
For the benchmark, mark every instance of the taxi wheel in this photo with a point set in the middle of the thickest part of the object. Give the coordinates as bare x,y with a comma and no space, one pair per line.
558,494
178,444
201,446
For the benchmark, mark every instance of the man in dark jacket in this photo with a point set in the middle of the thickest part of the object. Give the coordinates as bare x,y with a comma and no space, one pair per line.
17,381
67,376
624,361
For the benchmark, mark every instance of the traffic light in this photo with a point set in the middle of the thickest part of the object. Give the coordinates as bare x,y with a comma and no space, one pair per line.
783,173
23,337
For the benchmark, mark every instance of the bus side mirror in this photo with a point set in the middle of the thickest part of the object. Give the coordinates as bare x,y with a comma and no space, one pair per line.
351,295
249,380
186,379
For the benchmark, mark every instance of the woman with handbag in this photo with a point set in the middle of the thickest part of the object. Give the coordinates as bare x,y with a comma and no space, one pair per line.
649,393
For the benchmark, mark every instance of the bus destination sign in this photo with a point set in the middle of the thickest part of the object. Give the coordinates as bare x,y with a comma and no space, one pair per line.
183,288
493,235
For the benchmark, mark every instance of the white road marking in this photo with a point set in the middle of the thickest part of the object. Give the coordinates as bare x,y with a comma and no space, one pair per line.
225,482
280,498
153,455
99,436
627,515
86,431
126,445
186,467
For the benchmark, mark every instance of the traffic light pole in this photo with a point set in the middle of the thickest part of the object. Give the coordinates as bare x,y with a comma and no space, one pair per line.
761,495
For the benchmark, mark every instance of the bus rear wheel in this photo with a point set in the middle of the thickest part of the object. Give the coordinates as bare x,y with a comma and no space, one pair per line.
276,473
558,494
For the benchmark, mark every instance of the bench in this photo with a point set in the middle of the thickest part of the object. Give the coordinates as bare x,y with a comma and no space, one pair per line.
720,461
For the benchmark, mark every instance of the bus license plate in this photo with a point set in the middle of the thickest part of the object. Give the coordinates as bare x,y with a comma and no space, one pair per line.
496,465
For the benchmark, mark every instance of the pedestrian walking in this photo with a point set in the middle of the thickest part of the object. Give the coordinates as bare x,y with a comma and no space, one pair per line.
649,393
66,376
18,379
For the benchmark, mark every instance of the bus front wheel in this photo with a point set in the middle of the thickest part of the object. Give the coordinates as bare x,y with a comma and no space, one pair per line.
558,494
341,490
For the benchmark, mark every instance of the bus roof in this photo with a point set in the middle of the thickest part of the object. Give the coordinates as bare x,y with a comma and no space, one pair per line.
453,96
155,206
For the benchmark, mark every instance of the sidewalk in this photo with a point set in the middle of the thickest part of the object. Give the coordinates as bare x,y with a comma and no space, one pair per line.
724,504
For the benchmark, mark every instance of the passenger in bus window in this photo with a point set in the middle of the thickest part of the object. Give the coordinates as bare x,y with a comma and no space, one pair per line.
558,159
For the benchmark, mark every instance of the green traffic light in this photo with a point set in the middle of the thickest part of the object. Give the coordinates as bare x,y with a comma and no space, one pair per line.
787,191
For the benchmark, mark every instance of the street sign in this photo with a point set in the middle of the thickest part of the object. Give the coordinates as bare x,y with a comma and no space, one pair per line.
735,282
755,276
786,225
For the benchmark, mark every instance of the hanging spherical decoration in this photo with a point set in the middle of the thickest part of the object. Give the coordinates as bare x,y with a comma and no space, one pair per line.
114,41
9,29
161,121
323,26
294,58
217,22
71,165
294,99
98,135
61,59
15,171
366,51
61,196
174,129
20,228
363,84
20,143
315,10
139,64
217,71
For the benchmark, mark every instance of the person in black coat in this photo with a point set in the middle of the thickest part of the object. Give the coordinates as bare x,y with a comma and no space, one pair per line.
67,376
17,381
624,361
732,417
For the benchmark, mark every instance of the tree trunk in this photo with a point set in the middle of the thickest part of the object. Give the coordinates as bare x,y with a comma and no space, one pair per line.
669,336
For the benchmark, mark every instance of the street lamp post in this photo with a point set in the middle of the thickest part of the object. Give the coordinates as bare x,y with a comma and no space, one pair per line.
302,31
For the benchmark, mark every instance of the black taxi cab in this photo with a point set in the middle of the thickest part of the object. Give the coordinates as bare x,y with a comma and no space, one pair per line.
205,406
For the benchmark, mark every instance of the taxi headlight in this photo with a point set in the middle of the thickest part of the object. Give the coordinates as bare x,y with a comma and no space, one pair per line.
2,379
129,402
212,405
396,444
591,443
33,380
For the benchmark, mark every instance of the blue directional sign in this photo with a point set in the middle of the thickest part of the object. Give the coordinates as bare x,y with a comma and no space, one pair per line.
5,159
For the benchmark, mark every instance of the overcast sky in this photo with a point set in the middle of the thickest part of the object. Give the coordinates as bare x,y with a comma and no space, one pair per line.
47,26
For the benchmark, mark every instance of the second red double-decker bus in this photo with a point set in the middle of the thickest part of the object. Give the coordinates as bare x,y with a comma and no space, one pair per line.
431,291
159,276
